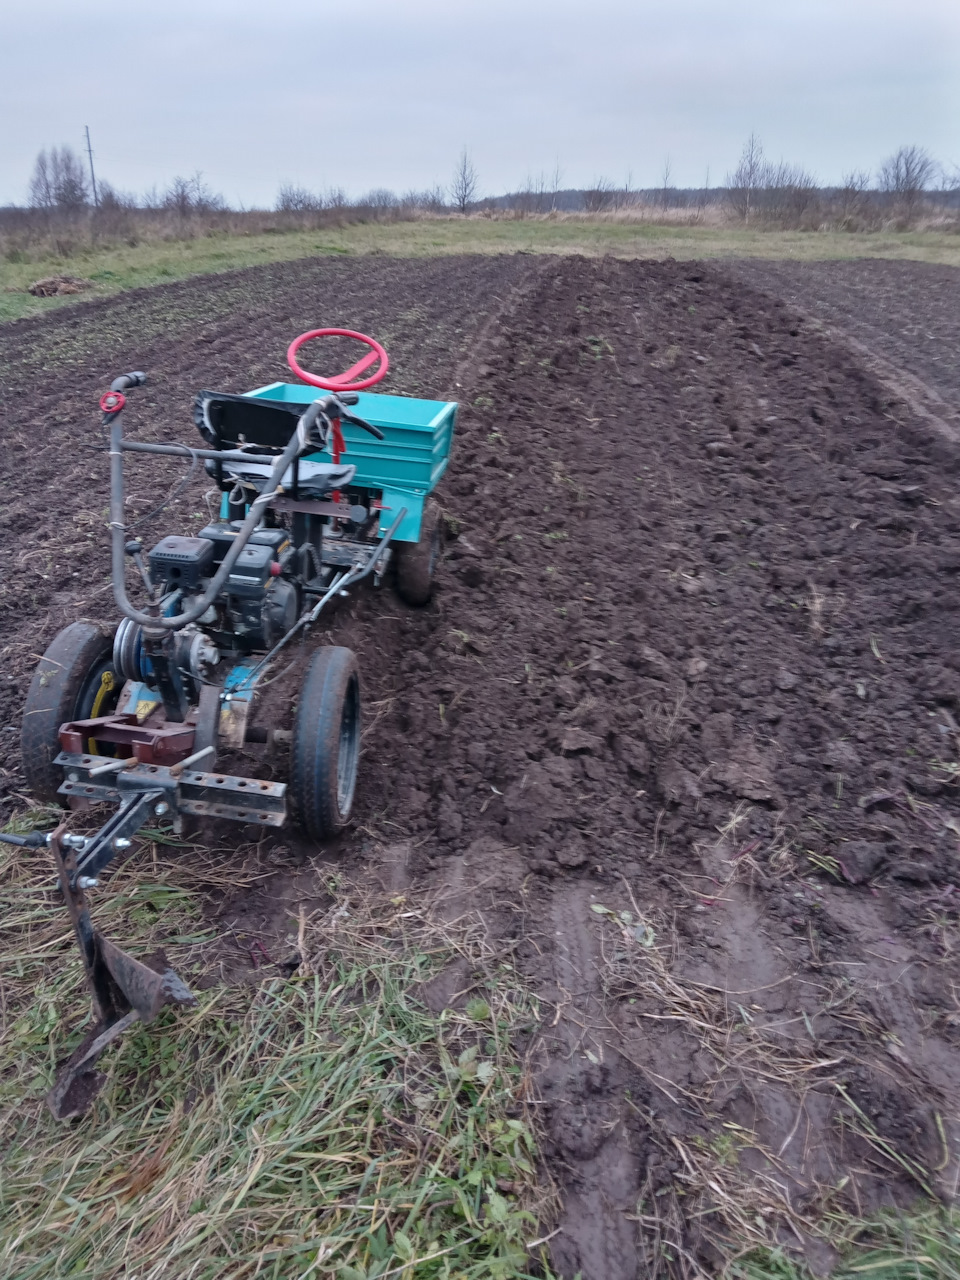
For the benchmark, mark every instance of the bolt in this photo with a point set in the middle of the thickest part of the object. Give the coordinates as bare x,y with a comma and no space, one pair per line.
121,842
161,808
73,776
87,882
74,842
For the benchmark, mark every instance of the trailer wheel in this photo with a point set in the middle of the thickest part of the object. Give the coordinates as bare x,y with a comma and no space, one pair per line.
74,680
325,749
416,561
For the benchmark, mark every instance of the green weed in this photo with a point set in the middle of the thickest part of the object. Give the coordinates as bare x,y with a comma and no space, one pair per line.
322,1125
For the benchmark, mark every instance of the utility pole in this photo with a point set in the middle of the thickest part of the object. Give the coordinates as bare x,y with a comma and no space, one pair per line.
93,179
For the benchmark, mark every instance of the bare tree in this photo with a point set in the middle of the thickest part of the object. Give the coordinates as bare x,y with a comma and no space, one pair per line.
108,197
852,194
41,184
789,194
435,199
463,189
186,196
59,181
112,199
522,202
540,192
379,198
429,201
748,178
703,196
597,198
665,184
906,175
555,185
294,199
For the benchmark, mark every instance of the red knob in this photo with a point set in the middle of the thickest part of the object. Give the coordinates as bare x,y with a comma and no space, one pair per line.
112,401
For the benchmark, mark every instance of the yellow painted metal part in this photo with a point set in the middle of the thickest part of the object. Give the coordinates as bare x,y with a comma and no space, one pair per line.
145,706
108,683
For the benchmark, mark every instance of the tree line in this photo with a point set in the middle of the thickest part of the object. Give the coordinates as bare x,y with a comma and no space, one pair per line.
905,185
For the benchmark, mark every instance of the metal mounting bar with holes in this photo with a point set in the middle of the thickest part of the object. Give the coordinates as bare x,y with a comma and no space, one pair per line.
219,795
209,795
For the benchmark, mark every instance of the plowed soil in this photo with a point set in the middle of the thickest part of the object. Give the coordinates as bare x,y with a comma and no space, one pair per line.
907,313
682,718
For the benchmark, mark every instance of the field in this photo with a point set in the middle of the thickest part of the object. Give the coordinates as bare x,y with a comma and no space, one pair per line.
116,267
682,725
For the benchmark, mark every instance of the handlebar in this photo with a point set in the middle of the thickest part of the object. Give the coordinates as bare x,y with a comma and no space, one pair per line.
334,406
128,380
367,426
300,442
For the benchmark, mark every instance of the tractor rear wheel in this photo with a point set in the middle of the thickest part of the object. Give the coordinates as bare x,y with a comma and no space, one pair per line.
416,561
325,750
74,680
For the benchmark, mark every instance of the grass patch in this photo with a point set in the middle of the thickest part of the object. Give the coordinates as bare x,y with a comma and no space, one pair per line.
924,1245
325,1124
116,269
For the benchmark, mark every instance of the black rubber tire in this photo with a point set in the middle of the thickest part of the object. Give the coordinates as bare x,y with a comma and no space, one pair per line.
63,688
325,750
416,561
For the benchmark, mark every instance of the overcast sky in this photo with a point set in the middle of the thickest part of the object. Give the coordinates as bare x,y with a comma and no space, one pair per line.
385,93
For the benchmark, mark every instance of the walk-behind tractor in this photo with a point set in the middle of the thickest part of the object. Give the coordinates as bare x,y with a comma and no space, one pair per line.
316,494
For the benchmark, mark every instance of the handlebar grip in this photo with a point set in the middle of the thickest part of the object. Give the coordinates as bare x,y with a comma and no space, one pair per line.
349,397
367,426
128,380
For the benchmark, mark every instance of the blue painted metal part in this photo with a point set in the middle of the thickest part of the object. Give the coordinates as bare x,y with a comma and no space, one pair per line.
236,701
140,700
406,465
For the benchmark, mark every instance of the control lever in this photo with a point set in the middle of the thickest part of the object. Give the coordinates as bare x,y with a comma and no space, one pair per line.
359,422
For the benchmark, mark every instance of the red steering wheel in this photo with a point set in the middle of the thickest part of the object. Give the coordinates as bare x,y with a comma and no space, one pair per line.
342,382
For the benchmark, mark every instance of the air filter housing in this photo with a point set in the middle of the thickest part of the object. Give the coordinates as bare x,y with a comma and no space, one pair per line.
181,562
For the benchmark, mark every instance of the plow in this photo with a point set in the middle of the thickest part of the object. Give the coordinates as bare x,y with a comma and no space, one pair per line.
318,493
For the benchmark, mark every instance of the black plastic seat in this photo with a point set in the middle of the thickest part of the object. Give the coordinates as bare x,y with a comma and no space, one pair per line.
228,421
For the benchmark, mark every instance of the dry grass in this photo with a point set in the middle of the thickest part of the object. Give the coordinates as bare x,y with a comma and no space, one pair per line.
322,1124
115,265
753,1213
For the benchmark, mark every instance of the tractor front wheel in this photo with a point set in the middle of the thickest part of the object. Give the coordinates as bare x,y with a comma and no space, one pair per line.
75,680
416,561
325,750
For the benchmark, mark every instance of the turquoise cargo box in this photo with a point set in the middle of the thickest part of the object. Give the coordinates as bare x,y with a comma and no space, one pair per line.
406,465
